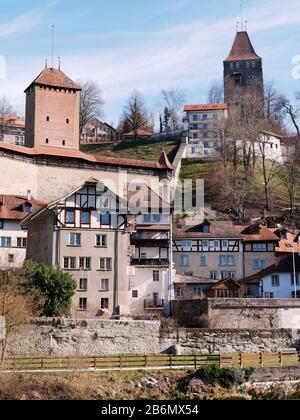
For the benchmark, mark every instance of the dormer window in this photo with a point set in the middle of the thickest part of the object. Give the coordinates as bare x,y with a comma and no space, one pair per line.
205,227
26,207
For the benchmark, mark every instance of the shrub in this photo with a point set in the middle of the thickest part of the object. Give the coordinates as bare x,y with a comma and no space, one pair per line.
225,377
57,287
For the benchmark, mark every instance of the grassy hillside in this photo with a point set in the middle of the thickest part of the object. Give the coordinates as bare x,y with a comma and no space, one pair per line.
143,150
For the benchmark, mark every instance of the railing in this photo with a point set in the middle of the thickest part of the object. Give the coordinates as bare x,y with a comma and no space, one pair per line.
150,262
149,243
148,362
154,304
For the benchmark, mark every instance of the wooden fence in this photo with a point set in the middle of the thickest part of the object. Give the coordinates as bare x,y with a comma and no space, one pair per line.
149,362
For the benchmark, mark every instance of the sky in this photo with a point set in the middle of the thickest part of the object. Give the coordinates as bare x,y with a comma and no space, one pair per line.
128,45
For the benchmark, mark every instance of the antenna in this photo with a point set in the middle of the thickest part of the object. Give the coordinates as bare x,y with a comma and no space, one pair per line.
59,62
52,52
237,26
246,23
242,19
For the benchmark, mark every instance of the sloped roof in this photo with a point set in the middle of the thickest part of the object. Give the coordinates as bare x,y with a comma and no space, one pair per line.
139,133
264,234
11,206
12,120
217,230
242,49
206,107
54,78
76,154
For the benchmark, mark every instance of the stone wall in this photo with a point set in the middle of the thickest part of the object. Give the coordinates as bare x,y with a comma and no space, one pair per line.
238,313
67,338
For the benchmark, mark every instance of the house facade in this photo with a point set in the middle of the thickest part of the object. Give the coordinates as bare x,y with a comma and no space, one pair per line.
13,236
97,131
203,123
12,130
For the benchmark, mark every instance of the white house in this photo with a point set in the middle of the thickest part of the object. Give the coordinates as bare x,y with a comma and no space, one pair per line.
277,281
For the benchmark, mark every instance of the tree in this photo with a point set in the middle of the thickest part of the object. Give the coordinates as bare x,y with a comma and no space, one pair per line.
289,110
57,286
290,170
91,102
173,99
216,93
135,115
5,110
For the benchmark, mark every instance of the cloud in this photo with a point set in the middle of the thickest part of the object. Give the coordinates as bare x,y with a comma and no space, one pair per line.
24,22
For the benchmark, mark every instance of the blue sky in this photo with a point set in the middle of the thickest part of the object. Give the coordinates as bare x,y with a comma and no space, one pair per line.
144,45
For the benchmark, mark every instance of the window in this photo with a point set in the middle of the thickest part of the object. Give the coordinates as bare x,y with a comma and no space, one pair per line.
101,241
226,260
225,245
105,264
156,276
213,275
259,264
195,117
135,294
205,244
104,285
83,285
70,217
156,218
11,258
216,245
227,275
26,208
85,217
195,136
297,280
275,281
186,245
297,296
202,262
82,304
184,260
205,117
69,263
269,295
21,242
259,247
5,242
84,263
105,219
1,224
104,303
74,239
147,218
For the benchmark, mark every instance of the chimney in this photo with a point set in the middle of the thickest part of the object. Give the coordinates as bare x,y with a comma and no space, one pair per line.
29,196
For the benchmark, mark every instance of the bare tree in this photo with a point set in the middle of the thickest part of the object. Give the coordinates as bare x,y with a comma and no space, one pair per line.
216,93
289,110
290,170
135,114
91,102
173,99
5,111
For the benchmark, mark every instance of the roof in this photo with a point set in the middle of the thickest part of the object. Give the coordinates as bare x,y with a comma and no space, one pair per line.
286,245
257,233
13,120
76,154
206,107
283,266
11,206
139,133
54,78
242,49
228,283
217,230
179,279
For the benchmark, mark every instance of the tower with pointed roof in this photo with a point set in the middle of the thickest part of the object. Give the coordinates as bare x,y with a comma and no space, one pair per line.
243,68
52,111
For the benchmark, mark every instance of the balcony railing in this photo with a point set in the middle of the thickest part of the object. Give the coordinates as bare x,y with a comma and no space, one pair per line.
155,304
152,262
150,243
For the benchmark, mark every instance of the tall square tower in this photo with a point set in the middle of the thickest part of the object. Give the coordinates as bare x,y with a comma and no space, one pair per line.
52,111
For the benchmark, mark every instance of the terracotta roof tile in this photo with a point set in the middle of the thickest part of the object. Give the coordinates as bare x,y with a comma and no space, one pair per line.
11,206
257,233
217,230
242,49
55,78
140,133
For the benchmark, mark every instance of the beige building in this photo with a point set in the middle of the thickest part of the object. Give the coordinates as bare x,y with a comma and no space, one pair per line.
13,237
207,253
97,131
87,233
12,130
52,111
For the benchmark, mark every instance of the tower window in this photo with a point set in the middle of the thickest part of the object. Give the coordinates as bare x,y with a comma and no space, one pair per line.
67,121
48,118
47,141
63,142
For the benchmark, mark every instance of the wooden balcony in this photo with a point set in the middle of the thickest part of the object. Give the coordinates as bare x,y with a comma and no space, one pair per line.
155,304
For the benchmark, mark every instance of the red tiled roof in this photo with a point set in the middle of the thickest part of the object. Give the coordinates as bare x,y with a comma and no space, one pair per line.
55,78
242,49
76,154
265,234
11,206
12,120
139,133
206,107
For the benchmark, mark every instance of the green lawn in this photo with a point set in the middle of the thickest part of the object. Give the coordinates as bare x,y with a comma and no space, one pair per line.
143,150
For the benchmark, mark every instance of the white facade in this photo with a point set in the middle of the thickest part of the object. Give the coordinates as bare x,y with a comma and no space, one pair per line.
280,286
13,240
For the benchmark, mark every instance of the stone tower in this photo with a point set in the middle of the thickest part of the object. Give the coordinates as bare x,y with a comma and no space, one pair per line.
243,68
52,111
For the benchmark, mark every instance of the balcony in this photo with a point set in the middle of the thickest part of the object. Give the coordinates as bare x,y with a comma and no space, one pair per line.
155,304
150,243
150,262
